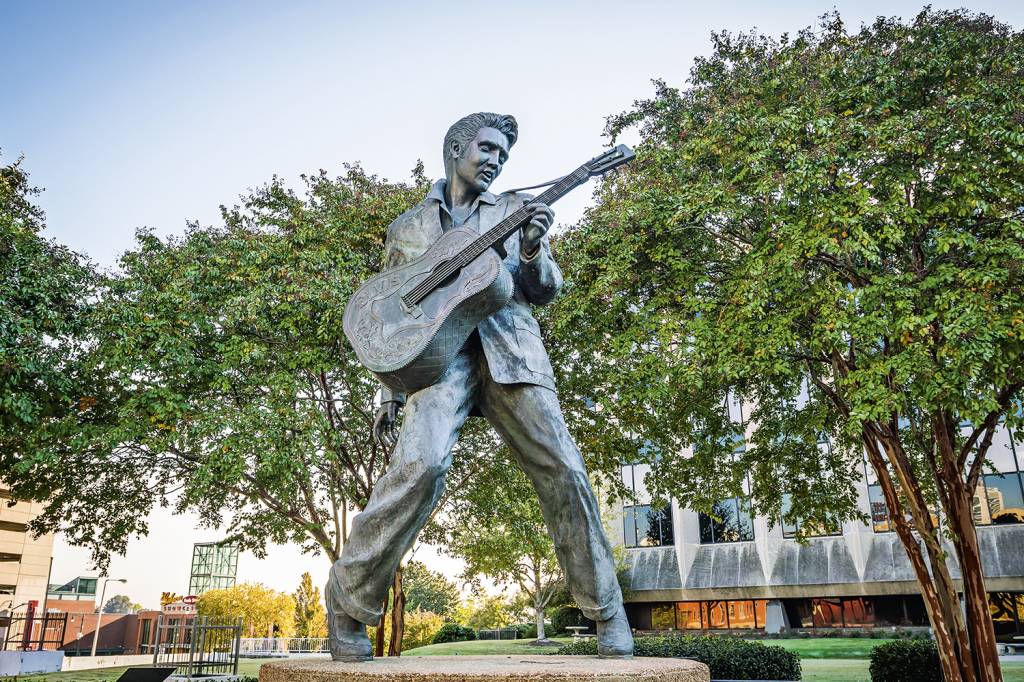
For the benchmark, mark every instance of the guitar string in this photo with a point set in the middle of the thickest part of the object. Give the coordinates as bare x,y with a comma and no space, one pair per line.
485,241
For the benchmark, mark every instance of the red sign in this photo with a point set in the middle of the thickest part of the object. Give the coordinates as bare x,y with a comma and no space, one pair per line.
190,599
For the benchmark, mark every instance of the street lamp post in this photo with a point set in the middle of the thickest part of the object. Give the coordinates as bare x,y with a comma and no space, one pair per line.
99,611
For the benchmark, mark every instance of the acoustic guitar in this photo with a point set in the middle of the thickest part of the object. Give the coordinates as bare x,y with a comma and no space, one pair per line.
408,323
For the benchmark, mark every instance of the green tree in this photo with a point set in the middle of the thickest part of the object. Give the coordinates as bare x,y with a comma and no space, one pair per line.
310,614
494,525
45,290
264,612
828,226
229,390
121,603
485,612
427,590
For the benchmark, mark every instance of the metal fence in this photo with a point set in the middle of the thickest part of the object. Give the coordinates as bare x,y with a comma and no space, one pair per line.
30,630
502,633
282,646
198,646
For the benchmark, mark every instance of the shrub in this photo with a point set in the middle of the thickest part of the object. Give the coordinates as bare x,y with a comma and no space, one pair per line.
453,632
526,630
420,629
568,616
728,658
906,660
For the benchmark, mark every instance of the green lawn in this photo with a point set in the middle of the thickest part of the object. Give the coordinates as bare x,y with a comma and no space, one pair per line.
853,670
827,647
823,660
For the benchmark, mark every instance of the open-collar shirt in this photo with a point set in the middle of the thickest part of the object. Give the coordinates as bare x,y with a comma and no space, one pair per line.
448,221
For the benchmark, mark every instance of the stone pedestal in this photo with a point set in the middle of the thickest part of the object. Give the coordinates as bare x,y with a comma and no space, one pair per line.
487,669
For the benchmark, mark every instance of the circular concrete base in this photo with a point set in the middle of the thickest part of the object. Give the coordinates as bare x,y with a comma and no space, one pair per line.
488,669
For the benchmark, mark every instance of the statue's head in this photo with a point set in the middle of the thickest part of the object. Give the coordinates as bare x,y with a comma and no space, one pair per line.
476,147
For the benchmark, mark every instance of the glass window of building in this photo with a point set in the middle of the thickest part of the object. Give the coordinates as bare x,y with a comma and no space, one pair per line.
1007,609
688,615
741,614
879,510
645,526
999,496
827,613
729,521
715,615
663,617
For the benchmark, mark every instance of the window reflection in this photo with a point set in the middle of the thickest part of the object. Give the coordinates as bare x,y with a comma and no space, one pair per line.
688,615
999,499
715,616
729,521
644,526
739,614
662,617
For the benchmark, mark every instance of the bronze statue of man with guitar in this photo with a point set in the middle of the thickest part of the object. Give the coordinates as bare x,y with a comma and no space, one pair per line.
448,330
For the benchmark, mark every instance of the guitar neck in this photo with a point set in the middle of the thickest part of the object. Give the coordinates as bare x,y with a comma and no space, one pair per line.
600,164
504,229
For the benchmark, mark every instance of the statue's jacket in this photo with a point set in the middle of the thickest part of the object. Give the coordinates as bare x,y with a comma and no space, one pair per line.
510,338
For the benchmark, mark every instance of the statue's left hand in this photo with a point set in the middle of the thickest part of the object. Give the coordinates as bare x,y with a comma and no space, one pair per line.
542,217
385,426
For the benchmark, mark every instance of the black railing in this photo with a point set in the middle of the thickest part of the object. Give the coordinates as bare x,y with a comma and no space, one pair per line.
198,646
30,630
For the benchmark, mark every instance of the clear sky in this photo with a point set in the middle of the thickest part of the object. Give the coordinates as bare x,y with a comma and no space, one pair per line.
153,113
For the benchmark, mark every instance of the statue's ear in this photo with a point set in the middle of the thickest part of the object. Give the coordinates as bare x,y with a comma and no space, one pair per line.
456,149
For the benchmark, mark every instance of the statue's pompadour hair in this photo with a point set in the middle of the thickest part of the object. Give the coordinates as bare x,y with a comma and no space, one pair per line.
465,129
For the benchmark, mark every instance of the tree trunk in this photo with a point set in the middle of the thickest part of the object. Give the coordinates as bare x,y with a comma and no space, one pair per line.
937,615
538,610
378,645
397,615
979,620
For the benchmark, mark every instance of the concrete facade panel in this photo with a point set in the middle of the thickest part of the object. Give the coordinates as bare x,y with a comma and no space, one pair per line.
11,546
654,569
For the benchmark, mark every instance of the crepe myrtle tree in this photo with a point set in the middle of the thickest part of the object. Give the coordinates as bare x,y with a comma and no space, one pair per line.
830,227
493,524
225,385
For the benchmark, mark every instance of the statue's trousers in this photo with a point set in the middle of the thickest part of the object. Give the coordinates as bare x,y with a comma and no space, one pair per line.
530,421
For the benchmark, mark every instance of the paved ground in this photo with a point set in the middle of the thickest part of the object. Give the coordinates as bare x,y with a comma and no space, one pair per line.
489,669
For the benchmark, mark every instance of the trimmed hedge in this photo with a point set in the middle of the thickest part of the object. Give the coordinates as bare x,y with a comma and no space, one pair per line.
453,632
728,658
914,660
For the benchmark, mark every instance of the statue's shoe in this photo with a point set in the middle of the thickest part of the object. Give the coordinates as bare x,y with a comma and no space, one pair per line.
348,640
614,638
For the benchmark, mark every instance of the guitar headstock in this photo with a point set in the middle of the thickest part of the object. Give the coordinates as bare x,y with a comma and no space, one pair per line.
612,158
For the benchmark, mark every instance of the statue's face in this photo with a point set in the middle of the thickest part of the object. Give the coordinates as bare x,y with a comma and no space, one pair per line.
480,163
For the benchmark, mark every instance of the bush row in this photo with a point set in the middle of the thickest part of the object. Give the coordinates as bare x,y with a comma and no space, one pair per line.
728,658
906,661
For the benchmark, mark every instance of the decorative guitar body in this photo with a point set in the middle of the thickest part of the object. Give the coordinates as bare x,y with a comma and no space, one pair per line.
408,323
410,347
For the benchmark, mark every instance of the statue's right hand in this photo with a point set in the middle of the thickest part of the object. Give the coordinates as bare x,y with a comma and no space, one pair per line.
385,426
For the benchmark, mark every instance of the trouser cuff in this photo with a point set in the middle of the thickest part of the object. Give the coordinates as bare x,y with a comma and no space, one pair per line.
365,616
602,612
